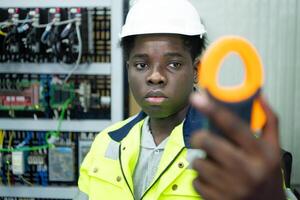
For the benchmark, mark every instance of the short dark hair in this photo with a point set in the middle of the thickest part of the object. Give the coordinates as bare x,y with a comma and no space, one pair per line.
195,44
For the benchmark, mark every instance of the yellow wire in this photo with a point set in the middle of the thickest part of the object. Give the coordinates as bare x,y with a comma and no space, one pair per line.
1,138
70,136
3,33
10,139
9,146
1,144
26,181
2,134
8,178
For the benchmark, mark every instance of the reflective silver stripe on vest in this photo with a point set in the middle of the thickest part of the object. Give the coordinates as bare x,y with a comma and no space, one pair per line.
193,154
112,151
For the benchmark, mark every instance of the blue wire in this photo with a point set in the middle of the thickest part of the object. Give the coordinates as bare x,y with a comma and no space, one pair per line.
44,178
28,137
42,174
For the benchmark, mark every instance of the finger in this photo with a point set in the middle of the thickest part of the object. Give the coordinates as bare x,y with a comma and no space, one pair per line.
210,173
233,127
217,149
270,132
223,182
205,190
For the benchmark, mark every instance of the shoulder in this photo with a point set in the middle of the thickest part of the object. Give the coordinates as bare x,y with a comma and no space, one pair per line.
104,134
118,125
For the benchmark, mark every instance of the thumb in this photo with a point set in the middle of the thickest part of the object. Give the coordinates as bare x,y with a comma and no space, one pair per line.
270,132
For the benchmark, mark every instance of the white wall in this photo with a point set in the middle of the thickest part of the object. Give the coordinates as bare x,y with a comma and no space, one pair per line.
273,26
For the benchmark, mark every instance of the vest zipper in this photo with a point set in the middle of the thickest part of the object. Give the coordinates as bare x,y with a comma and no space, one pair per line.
120,161
162,173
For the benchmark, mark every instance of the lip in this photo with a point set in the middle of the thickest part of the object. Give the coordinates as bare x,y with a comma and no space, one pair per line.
155,97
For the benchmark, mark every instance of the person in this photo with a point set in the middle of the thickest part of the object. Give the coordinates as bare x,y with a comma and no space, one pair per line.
156,154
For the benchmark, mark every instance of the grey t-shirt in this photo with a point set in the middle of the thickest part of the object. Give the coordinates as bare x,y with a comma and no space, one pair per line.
148,161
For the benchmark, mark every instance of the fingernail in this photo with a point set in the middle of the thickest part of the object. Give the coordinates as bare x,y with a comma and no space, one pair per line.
199,99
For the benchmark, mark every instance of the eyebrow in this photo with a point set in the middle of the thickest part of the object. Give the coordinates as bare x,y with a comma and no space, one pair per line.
140,56
173,54
170,54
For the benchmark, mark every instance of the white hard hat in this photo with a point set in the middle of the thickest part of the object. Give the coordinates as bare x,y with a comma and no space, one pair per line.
162,16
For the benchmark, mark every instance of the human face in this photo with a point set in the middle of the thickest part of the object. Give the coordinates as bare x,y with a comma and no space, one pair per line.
161,74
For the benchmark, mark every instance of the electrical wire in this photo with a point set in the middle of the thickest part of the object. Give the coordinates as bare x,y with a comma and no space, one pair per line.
2,133
7,162
35,24
26,140
3,33
42,25
15,22
59,23
23,21
8,176
11,135
65,105
1,144
65,22
25,181
48,134
79,53
19,21
71,136
55,23
5,23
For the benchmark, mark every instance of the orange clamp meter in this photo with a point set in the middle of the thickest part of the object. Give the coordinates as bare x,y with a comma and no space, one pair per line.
241,99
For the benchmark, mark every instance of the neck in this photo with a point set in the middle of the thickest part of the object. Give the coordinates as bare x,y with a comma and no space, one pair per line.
161,128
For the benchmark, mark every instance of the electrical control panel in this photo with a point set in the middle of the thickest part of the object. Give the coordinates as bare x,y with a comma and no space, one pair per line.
61,83
42,96
40,165
45,35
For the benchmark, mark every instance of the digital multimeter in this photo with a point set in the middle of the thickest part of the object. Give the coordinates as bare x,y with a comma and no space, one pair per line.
241,99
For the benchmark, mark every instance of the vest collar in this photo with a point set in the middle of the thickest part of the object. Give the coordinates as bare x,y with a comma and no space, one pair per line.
193,121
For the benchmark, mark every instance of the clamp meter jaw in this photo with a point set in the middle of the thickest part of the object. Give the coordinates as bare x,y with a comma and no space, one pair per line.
241,99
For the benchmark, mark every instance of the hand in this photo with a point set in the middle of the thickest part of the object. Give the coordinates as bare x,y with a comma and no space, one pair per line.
240,166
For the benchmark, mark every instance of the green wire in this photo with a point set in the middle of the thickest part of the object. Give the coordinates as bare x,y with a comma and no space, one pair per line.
48,134
35,148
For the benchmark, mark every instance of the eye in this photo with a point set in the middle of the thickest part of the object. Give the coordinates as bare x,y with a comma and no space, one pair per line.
175,65
140,66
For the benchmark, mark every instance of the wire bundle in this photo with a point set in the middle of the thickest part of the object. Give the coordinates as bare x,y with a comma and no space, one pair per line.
50,138
50,36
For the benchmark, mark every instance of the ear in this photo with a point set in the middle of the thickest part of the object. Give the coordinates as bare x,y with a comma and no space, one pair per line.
196,66
127,64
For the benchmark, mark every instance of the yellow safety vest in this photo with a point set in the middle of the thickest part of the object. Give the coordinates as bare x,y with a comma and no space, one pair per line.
107,170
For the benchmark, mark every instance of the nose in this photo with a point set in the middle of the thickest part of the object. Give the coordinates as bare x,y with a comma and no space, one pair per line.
156,77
